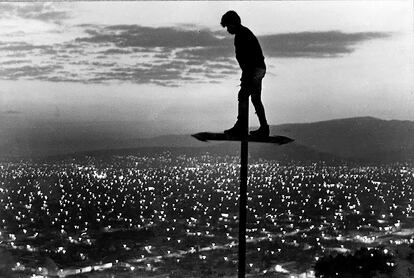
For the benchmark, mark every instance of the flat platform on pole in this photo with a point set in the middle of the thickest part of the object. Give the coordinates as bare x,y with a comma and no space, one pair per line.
211,136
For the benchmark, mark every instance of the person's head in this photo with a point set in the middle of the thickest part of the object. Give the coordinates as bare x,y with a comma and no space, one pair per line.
231,20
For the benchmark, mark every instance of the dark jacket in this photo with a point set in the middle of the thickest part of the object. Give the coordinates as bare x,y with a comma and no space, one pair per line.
248,51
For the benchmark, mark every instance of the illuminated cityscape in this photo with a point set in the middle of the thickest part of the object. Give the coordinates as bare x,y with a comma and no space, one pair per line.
102,174
160,213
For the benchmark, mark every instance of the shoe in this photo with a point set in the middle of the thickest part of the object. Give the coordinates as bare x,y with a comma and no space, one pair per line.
235,131
263,131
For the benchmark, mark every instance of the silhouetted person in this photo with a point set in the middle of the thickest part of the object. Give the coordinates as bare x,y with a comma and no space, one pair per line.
251,60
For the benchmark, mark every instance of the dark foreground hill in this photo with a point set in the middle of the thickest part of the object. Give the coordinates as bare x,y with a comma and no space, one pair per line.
364,139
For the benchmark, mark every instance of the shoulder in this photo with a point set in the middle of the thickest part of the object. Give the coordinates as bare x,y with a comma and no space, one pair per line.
244,33
247,33
245,30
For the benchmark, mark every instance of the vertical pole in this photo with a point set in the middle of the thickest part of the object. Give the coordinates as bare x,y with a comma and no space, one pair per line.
243,187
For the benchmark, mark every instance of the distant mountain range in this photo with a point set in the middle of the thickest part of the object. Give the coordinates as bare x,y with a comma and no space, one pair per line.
364,139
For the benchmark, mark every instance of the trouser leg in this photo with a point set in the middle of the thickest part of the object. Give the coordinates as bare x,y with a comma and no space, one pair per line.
255,87
243,105
260,111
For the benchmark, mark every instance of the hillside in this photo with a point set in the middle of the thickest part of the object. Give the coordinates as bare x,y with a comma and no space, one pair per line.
365,139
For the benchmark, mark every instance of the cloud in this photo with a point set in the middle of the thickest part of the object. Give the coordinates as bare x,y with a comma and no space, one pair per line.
116,51
166,74
48,12
14,62
7,9
208,53
28,72
12,112
315,44
167,56
22,46
204,43
140,36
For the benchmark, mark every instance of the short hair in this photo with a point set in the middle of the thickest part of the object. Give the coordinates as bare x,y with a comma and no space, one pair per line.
230,17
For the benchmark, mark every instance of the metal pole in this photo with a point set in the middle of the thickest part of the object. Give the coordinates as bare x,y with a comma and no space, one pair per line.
243,189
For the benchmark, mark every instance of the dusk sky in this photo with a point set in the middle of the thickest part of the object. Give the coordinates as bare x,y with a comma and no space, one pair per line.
170,66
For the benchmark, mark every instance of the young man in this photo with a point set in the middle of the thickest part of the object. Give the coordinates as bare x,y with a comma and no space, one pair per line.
251,61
